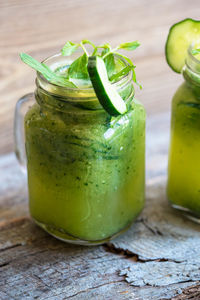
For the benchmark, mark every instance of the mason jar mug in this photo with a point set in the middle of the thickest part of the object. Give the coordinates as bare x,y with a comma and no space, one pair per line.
85,168
184,161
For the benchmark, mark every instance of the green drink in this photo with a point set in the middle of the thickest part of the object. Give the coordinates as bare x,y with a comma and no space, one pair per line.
183,188
85,167
184,162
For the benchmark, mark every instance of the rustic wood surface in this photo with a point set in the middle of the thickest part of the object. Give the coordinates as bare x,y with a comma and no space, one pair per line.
158,258
40,28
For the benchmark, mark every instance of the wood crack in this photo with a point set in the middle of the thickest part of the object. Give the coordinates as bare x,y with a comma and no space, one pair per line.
40,280
11,247
161,286
154,230
193,292
94,287
4,264
134,256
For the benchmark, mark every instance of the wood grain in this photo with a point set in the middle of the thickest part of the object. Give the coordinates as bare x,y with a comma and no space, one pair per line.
158,258
42,27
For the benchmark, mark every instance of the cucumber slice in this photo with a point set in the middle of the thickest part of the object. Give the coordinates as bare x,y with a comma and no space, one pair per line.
181,36
105,92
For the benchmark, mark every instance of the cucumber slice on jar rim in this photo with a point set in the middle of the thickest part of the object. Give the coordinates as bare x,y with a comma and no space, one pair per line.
105,92
181,36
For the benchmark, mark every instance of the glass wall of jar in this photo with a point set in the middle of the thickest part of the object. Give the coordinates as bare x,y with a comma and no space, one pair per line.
183,187
85,168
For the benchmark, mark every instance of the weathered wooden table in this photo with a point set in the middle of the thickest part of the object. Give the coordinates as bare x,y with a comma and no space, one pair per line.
158,258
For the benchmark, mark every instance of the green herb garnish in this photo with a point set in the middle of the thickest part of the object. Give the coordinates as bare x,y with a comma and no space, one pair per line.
46,71
121,73
107,53
78,68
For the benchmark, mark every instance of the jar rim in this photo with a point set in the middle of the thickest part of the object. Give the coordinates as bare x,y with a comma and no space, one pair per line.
192,64
190,48
191,69
53,86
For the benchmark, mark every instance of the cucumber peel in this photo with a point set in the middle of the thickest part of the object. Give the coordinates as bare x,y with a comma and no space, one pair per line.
105,91
181,36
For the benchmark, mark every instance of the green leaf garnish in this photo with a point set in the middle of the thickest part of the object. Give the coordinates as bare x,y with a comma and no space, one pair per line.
195,51
121,73
129,46
133,68
78,69
109,62
69,48
45,71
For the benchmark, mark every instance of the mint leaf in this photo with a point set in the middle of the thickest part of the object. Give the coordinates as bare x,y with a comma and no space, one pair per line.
78,69
69,48
121,73
129,46
133,68
195,51
45,71
109,62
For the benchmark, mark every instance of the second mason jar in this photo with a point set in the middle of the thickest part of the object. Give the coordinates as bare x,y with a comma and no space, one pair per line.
184,161
85,168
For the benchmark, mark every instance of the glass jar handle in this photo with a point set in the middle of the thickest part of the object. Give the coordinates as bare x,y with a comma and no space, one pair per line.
22,106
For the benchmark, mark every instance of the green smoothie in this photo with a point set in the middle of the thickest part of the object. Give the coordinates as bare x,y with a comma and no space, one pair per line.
85,145
184,162
85,172
182,51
